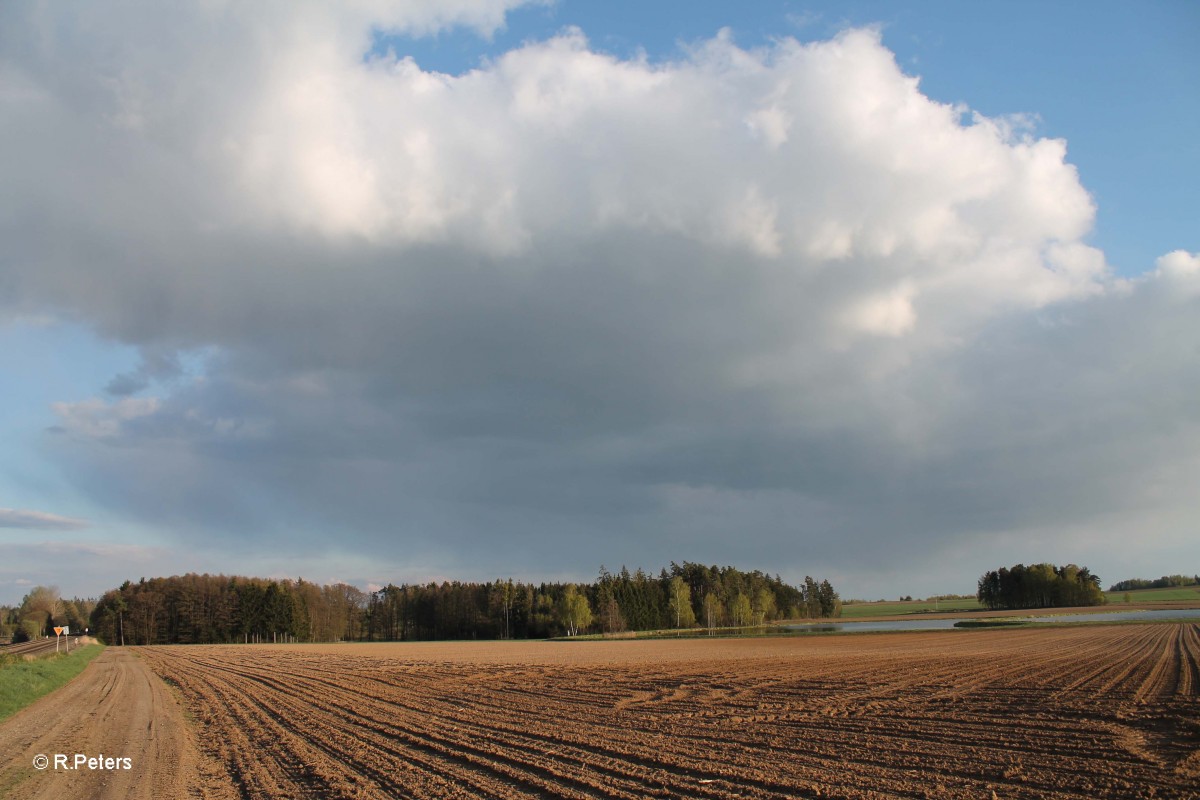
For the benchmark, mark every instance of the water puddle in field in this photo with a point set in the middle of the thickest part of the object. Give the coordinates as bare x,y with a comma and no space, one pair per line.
887,625
949,624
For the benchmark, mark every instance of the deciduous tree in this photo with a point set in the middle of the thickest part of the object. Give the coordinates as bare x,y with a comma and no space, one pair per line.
741,610
713,611
681,603
574,611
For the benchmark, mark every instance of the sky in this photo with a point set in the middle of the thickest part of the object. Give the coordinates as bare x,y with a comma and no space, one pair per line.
890,294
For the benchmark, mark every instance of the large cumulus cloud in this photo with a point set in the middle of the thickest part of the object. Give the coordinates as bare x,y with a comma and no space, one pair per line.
562,308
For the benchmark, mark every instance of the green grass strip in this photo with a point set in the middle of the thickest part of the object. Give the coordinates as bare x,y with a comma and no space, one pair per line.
1173,594
22,682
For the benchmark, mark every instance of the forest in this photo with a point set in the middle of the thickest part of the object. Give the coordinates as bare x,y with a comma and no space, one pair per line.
1040,586
216,608
1165,582
40,611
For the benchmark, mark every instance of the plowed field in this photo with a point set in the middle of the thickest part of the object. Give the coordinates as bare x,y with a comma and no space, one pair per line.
1063,713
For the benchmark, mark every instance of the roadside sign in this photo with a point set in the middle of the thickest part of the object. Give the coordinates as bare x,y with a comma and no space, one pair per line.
59,631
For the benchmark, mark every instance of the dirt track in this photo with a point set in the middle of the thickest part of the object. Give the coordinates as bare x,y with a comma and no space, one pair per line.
116,708
1065,713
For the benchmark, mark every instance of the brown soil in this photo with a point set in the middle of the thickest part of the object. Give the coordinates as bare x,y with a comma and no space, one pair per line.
1098,712
117,708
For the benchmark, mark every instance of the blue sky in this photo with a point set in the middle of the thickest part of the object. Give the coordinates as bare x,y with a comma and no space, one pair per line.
322,314
1116,80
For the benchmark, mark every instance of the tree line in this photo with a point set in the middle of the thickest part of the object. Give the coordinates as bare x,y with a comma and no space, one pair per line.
1165,582
1040,586
683,596
216,608
40,612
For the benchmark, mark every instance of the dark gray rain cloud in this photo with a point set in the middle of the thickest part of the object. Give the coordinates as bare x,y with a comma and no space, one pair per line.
773,308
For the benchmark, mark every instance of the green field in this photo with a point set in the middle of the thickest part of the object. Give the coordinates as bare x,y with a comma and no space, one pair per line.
22,682
1174,593
901,607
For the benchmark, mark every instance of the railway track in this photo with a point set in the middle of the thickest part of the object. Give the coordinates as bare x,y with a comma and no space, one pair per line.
41,647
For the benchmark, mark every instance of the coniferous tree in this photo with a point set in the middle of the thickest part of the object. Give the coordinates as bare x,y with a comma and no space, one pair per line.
1039,586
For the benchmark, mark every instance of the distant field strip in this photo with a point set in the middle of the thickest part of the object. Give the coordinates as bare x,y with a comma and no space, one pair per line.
1100,712
1174,594
876,609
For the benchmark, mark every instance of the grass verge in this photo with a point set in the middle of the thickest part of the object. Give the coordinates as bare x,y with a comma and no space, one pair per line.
673,633
22,682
